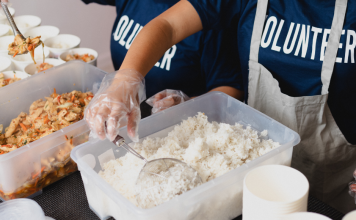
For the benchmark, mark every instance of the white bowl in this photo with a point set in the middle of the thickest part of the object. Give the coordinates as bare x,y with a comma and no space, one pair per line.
4,29
3,19
26,22
31,68
61,43
81,51
4,44
44,31
305,216
11,74
21,61
5,64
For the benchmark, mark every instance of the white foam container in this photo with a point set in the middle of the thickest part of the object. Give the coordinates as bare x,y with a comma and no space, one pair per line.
4,30
80,51
3,19
21,61
17,166
220,198
44,31
26,22
4,44
5,64
32,70
68,42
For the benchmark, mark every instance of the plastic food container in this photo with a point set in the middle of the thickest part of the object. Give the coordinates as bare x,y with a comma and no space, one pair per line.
21,171
20,209
220,198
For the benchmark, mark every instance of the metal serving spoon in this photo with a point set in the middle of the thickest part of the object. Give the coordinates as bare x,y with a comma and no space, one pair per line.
15,30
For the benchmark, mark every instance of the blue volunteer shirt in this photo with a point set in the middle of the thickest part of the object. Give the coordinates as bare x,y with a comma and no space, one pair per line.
293,46
199,63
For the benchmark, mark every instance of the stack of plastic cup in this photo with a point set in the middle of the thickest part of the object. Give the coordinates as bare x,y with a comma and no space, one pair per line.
350,216
305,216
273,191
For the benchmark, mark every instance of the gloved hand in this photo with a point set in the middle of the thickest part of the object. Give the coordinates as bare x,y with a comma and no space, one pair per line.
352,187
165,99
117,102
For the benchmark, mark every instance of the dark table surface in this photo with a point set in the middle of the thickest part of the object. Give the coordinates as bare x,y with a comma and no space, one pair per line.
66,199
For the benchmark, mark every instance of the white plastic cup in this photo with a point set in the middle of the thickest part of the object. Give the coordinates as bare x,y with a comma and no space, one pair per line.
350,216
26,22
21,61
31,68
5,64
4,30
272,191
3,19
4,44
81,51
61,43
44,31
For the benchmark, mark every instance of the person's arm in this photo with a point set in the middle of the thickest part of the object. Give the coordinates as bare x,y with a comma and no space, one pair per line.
101,2
233,92
169,28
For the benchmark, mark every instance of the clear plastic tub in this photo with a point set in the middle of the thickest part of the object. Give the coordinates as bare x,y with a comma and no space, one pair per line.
21,173
220,198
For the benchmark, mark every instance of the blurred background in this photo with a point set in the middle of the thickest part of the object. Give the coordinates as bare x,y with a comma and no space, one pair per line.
92,23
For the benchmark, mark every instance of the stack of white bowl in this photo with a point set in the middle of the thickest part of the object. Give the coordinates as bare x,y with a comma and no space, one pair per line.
270,192
305,216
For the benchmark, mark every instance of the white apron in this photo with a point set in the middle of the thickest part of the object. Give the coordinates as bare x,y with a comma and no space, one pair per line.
324,156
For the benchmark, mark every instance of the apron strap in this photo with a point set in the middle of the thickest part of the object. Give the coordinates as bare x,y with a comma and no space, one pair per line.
333,44
258,25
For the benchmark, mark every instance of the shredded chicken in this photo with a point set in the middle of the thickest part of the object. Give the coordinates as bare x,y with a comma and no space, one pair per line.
44,118
5,82
43,66
86,57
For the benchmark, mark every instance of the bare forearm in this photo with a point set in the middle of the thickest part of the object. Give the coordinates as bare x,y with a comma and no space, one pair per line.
169,28
237,94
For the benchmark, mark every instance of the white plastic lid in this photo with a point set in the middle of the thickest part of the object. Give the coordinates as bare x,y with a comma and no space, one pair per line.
19,209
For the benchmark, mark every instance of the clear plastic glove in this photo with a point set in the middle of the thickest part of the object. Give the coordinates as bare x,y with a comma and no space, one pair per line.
117,103
166,99
352,187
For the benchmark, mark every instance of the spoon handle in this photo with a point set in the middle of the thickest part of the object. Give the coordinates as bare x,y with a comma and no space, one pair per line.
11,20
120,142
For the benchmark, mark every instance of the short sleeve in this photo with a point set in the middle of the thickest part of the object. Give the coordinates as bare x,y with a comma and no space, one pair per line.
101,2
218,14
220,59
